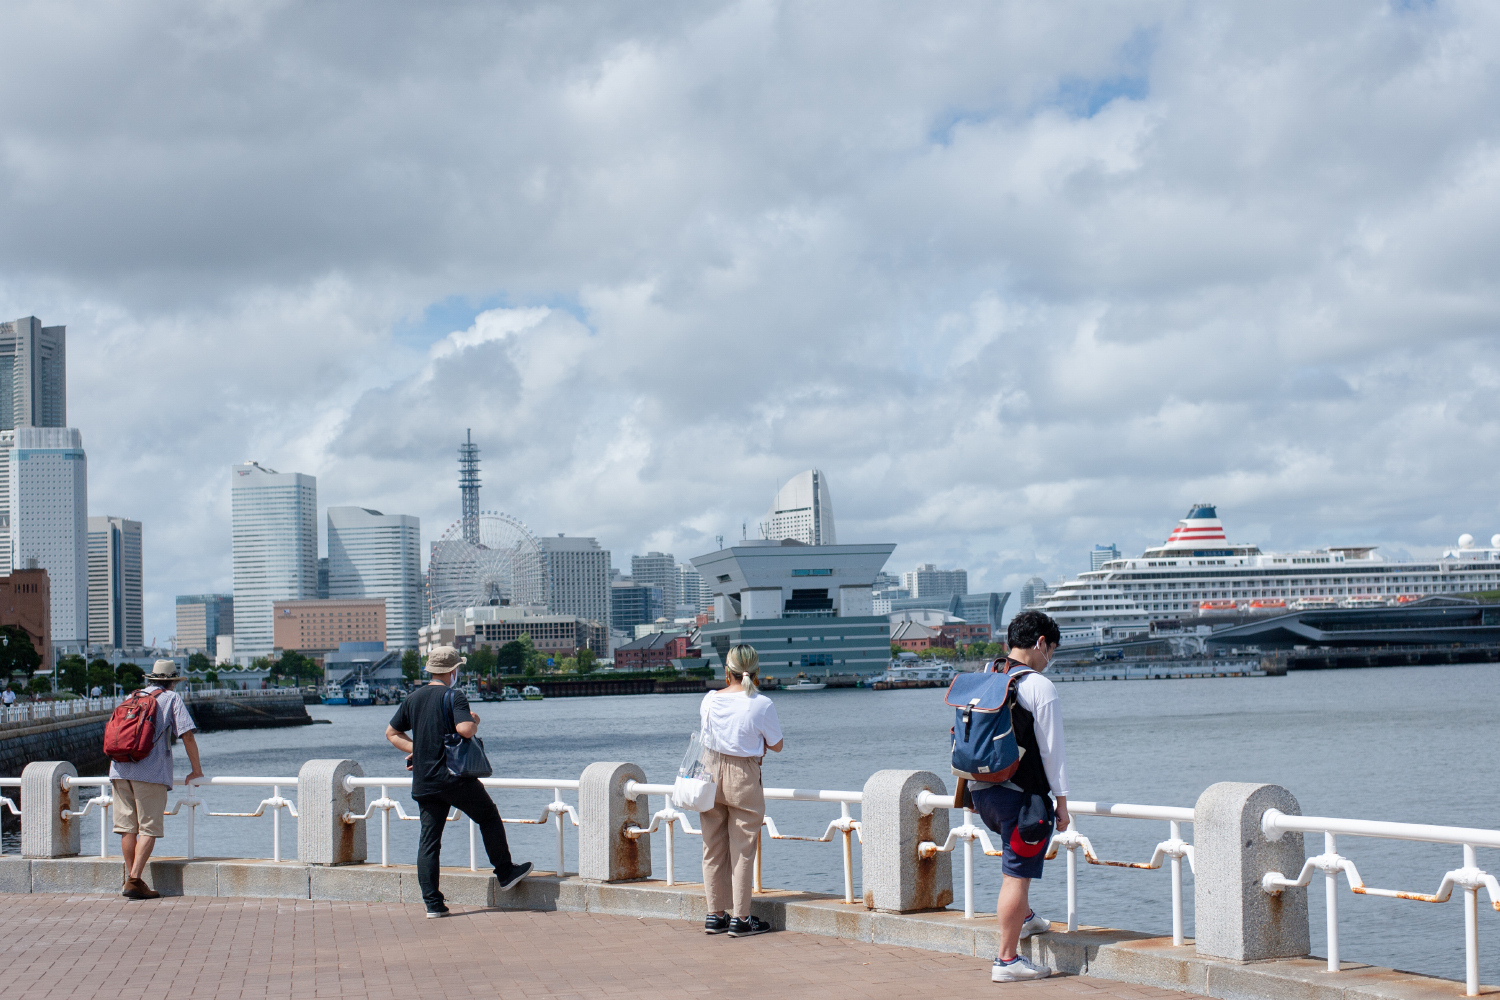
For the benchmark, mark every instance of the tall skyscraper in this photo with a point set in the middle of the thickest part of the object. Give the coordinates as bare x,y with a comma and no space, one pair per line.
657,569
275,525
202,618
1102,554
1031,591
691,591
44,506
114,548
579,573
370,555
633,604
802,511
927,581
33,374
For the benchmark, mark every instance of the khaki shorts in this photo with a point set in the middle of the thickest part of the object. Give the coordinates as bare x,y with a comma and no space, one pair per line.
139,806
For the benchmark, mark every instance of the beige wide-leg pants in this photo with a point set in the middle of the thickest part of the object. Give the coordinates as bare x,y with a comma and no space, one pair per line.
730,832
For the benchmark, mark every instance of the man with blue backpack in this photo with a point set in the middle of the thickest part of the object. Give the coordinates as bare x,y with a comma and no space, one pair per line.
1009,757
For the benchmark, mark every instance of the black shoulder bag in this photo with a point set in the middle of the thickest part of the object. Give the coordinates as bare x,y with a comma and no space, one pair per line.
464,756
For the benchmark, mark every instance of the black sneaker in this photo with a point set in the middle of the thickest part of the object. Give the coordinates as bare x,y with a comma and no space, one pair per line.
517,873
746,926
716,923
438,911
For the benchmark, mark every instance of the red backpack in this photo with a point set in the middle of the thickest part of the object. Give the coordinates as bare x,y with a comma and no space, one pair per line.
131,731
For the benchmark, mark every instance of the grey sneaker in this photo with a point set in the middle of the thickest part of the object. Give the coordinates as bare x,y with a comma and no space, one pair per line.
1017,970
716,923
1035,924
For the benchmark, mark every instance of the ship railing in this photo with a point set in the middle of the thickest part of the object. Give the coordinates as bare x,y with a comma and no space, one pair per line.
845,826
1072,841
552,812
1470,878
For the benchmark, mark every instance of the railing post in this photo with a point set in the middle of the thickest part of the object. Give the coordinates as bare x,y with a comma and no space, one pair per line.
1235,918
605,854
1176,829
557,816
1471,927
44,832
1072,887
473,847
1331,903
897,879
323,838
385,829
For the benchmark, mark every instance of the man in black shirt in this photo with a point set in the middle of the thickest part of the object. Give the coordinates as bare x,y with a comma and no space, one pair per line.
435,788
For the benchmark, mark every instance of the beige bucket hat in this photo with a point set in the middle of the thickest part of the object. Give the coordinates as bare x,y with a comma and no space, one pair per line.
164,670
444,660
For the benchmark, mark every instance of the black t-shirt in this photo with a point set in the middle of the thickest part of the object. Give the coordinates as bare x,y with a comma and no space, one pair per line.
422,715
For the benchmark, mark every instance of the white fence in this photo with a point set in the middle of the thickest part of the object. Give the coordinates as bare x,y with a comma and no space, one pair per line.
64,708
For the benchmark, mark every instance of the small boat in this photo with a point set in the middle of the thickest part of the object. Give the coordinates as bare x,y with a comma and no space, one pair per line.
1365,601
333,694
361,695
1313,603
802,683
471,690
511,694
531,693
1208,607
907,671
1268,604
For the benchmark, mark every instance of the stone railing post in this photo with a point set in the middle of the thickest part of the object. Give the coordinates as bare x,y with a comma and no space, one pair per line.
896,877
323,838
1235,918
44,833
605,854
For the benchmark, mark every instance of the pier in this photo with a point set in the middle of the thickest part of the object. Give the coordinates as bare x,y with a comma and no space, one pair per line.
912,888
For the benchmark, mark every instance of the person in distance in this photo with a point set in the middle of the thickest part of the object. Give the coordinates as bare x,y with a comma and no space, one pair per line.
1033,638
434,788
739,725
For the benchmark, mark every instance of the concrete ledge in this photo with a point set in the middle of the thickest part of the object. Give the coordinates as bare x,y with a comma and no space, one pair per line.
1090,951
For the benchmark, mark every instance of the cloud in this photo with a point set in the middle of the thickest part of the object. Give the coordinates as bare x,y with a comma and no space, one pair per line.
1018,278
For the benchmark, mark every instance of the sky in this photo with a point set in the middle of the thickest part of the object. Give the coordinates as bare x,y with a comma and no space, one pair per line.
1020,278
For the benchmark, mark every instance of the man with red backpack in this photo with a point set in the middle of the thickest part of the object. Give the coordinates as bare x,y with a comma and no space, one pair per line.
140,770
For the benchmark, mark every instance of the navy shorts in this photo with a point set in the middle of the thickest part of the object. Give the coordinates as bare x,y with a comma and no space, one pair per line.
999,807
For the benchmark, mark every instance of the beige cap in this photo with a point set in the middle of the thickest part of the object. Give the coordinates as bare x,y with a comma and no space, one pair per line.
164,670
444,660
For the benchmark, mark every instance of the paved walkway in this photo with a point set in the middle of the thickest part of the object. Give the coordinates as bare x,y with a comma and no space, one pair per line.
103,946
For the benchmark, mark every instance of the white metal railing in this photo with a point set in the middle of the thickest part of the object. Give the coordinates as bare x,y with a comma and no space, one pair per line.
6,802
1072,841
844,824
1471,878
553,811
66,708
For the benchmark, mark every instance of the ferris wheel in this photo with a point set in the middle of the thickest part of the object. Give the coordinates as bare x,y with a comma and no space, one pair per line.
497,559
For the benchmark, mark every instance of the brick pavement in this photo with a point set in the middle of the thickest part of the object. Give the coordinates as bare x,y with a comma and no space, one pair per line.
107,947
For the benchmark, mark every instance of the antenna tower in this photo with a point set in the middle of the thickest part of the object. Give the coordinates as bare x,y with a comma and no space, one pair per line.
468,486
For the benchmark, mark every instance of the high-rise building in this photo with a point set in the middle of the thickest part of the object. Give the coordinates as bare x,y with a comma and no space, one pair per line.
115,583
658,569
314,626
202,618
33,375
1102,554
927,582
44,514
691,591
802,511
323,578
275,525
371,554
1032,591
633,604
578,571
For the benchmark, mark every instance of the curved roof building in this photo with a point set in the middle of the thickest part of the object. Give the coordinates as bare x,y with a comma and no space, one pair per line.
802,511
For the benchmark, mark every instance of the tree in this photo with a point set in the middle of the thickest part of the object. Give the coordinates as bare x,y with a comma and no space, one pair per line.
511,657
17,652
535,658
482,661
212,676
587,661
130,677
297,668
73,671
102,676
569,665
895,650
39,684
198,663
411,665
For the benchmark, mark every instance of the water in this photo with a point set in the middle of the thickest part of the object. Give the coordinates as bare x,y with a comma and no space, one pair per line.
1413,744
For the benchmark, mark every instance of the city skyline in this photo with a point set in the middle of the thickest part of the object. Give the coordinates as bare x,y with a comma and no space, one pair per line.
1020,279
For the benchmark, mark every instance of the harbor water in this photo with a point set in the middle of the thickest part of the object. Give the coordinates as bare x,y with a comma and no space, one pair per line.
1406,744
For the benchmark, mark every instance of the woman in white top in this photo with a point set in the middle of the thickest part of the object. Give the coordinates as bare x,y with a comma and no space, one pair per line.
739,725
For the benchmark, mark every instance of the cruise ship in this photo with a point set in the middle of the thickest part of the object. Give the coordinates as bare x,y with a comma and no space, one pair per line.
1197,571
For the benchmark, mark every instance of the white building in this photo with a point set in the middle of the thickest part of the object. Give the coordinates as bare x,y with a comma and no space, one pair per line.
33,374
44,510
114,548
578,571
370,555
658,569
691,590
802,511
1032,590
929,582
275,525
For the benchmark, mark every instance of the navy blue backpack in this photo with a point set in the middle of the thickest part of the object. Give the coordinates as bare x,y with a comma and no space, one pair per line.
984,740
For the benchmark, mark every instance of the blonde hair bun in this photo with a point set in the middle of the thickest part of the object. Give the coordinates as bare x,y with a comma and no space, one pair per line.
743,662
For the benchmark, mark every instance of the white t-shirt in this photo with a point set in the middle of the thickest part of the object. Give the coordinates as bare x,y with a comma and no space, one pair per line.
736,725
1038,695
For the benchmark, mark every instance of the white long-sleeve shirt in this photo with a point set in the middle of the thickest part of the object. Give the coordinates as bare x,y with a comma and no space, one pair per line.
1038,695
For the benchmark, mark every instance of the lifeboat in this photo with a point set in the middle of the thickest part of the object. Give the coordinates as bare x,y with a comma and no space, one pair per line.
1219,605
1268,604
1408,598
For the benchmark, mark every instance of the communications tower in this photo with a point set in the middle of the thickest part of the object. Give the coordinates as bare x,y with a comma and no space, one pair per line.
468,486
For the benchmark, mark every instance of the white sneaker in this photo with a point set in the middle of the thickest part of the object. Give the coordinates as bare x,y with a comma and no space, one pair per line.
1035,924
1018,971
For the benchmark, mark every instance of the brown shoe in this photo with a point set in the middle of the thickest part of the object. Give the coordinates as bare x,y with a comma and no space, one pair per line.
136,888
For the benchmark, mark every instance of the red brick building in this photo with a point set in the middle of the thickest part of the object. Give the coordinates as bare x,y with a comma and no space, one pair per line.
965,633
652,652
916,637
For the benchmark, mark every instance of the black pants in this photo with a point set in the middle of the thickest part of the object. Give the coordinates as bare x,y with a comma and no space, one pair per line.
469,796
